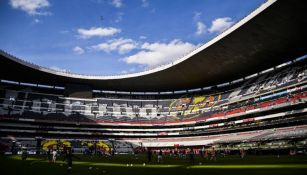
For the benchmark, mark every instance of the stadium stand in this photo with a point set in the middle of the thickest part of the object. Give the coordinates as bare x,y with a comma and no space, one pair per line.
267,106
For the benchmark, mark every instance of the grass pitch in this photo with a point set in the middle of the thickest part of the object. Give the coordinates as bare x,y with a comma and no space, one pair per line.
132,165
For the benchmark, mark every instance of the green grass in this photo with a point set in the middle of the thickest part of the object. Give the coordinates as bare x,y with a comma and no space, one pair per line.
121,165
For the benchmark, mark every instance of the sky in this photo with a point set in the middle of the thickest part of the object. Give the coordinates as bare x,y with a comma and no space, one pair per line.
108,37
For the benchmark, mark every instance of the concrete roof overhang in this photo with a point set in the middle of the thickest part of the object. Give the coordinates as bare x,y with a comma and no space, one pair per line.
272,34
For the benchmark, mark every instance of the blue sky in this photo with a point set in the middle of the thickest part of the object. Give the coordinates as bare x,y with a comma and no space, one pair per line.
105,37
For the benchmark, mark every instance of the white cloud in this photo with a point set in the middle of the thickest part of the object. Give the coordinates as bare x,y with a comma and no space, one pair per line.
64,31
32,7
119,17
36,21
154,54
143,37
196,16
78,50
88,33
120,45
220,24
145,3
131,70
117,3
201,28
153,10
58,69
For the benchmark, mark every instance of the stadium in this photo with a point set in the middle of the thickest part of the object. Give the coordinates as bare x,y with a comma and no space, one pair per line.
234,105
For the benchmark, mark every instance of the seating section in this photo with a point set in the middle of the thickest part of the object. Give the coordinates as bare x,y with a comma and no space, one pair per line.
251,136
81,111
258,92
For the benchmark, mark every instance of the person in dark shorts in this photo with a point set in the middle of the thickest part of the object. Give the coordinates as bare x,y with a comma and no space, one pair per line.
68,157
24,154
149,155
49,157
160,156
192,156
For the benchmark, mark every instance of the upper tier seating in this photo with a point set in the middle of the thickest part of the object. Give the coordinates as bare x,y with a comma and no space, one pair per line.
238,100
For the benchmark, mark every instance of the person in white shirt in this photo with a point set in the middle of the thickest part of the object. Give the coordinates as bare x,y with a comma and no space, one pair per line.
54,154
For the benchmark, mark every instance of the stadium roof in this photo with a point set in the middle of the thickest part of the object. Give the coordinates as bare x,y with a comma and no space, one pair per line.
272,34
